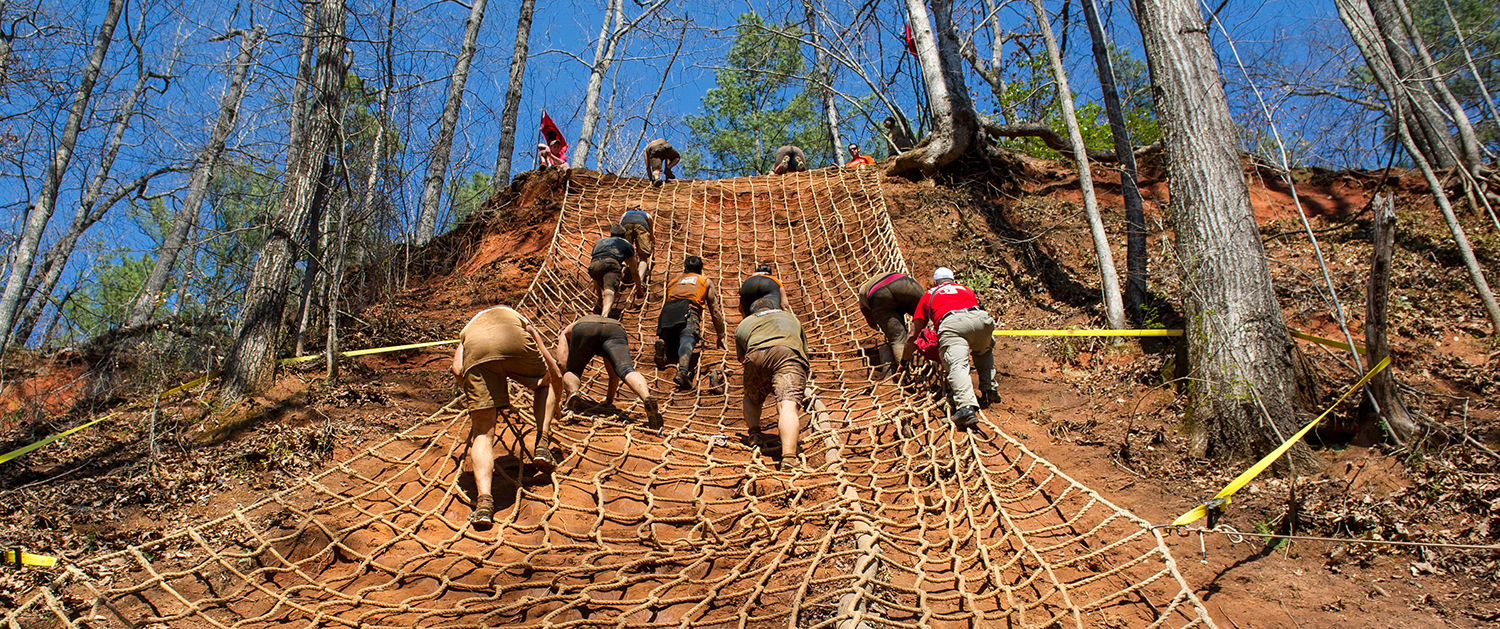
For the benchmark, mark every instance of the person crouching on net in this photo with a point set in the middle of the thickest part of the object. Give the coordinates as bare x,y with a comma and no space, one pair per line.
499,345
772,348
596,335
965,329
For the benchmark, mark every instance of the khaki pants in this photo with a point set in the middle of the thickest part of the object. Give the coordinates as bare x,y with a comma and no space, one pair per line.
962,335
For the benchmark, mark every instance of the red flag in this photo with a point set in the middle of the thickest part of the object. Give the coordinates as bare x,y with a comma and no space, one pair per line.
911,44
553,134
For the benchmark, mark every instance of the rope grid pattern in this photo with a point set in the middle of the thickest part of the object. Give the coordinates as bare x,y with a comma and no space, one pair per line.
687,528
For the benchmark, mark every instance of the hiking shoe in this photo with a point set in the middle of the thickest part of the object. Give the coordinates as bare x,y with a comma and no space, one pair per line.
653,414
543,460
659,354
965,417
572,402
484,511
989,397
656,183
792,464
684,380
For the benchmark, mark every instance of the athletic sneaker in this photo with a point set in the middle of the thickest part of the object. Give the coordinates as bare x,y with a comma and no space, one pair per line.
965,417
792,464
543,460
653,414
571,403
484,511
659,356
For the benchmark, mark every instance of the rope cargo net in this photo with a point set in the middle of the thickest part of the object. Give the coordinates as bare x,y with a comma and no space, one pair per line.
687,528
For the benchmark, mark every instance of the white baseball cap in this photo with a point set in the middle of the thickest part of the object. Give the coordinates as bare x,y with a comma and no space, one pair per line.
942,273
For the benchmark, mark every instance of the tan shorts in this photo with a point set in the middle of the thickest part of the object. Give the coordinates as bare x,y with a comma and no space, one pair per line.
607,272
775,371
640,238
484,383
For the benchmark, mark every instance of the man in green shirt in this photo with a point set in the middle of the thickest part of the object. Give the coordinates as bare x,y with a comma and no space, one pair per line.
772,348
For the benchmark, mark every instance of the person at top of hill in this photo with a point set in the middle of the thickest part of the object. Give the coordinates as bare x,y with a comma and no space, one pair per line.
896,136
885,300
678,328
597,335
660,159
788,159
772,347
761,288
637,224
499,345
965,329
554,153
610,257
858,160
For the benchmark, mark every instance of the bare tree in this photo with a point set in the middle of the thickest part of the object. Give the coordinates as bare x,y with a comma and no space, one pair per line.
613,30
1382,388
150,296
442,147
991,70
1114,309
250,362
1239,354
507,146
1135,213
823,70
954,123
25,252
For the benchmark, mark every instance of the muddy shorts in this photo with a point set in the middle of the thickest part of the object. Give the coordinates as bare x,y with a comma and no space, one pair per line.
775,370
639,236
606,340
484,384
606,271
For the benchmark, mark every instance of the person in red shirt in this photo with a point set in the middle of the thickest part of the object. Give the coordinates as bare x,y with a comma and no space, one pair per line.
859,160
965,329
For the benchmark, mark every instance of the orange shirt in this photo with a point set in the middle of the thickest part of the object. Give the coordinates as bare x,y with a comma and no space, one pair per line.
861,161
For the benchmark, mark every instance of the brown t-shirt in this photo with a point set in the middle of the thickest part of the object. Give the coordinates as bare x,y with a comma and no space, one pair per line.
496,334
769,328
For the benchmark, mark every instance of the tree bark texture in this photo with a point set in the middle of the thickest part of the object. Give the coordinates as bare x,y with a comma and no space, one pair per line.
1135,213
1241,360
250,362
151,293
1468,140
507,147
39,286
823,70
1109,286
1383,386
309,41
610,33
24,256
953,120
442,147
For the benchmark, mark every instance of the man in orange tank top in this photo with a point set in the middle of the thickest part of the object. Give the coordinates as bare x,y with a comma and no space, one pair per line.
678,329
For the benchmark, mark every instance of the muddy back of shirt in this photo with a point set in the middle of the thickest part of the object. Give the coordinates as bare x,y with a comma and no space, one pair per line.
498,333
769,328
613,247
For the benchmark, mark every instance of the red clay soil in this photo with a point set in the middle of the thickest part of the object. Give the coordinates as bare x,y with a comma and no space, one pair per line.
1099,412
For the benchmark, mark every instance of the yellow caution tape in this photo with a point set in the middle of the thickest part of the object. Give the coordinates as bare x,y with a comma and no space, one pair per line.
1223,497
1168,332
27,449
1088,332
18,558
23,450
365,352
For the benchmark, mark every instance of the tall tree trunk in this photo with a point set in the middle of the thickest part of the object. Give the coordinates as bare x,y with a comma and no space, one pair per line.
39,286
187,215
442,147
25,252
1382,387
991,70
1114,308
1135,214
304,75
250,362
610,33
507,147
1463,44
1241,359
823,72
953,121
603,53
312,265
1468,140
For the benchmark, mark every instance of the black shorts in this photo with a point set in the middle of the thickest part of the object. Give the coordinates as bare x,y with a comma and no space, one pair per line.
678,321
591,339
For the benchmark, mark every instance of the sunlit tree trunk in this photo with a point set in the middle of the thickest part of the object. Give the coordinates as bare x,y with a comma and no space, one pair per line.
614,28
1135,213
507,146
250,361
823,73
1241,360
24,255
442,147
1114,309
151,293
953,121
